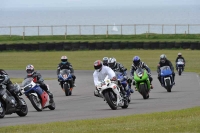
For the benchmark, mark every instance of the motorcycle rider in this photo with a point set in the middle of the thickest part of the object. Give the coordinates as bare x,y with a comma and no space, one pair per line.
105,61
165,62
118,67
180,57
31,73
4,79
100,73
137,63
66,65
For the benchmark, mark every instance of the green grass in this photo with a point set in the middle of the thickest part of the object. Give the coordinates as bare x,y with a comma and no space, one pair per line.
179,121
60,38
19,80
83,60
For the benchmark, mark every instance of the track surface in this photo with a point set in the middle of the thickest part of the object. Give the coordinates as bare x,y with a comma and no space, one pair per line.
83,105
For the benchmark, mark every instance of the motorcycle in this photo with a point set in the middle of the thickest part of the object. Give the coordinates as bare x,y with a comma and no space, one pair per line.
110,92
9,104
166,78
38,97
142,82
124,83
66,77
180,66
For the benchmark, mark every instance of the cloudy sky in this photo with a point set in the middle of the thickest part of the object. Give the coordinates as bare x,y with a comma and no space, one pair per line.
21,4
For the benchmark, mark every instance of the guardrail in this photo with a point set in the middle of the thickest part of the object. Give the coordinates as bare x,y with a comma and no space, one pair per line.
129,29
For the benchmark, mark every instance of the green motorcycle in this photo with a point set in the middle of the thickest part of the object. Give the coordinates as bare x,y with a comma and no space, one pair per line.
142,82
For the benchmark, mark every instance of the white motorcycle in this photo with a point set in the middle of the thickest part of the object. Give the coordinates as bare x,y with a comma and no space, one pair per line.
180,66
112,94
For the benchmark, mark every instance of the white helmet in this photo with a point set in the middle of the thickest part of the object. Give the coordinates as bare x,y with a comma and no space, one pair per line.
112,62
179,54
163,58
64,58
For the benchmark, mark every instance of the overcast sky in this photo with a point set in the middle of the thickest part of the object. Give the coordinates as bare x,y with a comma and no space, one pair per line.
20,4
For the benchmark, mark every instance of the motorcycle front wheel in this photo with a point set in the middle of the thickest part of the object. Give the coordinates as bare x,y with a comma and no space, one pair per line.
112,102
67,90
2,110
23,111
36,102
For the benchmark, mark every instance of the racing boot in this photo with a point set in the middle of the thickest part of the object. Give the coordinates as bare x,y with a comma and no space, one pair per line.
50,96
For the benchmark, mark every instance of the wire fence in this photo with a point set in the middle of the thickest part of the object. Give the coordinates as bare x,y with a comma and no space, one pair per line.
131,29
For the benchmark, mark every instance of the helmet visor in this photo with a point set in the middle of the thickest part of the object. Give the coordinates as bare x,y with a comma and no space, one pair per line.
162,60
111,65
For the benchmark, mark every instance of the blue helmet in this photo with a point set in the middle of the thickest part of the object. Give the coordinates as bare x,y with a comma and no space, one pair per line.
136,60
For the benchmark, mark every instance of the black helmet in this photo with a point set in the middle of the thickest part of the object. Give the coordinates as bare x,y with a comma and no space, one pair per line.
136,60
163,58
98,65
105,61
29,69
112,62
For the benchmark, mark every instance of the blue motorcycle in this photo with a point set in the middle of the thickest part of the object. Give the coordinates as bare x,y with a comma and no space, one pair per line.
65,77
166,78
124,83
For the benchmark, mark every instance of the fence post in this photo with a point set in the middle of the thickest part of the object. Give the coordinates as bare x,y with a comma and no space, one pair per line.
107,32
23,35
79,29
162,28
66,29
52,30
148,28
38,31
188,29
65,35
24,30
135,28
10,31
121,29
175,29
93,29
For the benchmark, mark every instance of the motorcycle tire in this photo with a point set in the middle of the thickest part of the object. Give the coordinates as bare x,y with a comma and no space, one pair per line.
179,71
168,86
38,105
111,103
3,111
143,91
67,90
23,111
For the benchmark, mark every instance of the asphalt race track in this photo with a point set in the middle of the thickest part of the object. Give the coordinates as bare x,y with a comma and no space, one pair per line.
84,105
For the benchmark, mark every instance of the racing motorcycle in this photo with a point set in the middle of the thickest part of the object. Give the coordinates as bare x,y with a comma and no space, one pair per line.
142,82
124,83
66,77
110,92
9,104
180,66
38,97
166,78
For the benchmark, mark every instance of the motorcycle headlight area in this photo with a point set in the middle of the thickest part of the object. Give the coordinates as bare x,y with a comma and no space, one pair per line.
139,74
26,88
65,76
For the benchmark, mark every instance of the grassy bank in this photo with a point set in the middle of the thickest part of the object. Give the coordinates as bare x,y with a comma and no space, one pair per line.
83,60
91,38
180,121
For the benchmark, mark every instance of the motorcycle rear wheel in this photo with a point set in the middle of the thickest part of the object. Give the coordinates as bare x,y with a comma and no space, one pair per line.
2,113
36,104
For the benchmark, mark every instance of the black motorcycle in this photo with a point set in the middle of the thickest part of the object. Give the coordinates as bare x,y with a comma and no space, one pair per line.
9,104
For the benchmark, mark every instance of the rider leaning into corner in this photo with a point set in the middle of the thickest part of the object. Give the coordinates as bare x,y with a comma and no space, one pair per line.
4,79
66,65
118,67
179,57
100,73
165,62
31,73
137,63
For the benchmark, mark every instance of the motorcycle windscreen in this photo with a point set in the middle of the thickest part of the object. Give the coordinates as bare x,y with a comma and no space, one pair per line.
165,71
140,75
26,84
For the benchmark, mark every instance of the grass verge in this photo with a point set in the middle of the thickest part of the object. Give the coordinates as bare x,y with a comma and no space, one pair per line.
83,60
179,121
